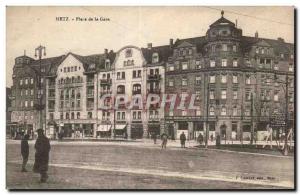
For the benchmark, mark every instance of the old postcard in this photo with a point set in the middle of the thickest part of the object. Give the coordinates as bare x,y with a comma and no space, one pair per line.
139,98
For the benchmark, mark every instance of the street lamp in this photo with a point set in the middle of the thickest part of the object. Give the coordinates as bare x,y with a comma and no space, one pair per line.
39,53
285,150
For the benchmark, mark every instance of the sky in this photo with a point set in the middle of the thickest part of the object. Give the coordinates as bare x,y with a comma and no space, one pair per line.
28,27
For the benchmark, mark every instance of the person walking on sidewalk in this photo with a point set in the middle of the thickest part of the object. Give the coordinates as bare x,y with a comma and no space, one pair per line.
200,138
42,147
24,151
182,140
154,137
164,138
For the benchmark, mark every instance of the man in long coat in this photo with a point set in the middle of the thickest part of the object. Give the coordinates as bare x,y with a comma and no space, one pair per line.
42,147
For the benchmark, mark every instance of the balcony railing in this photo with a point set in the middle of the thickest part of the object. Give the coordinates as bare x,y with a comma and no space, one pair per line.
90,83
136,92
154,91
105,92
90,95
51,109
154,77
105,81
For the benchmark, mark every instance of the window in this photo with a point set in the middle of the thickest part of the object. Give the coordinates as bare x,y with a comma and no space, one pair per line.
78,115
171,113
198,93
75,68
31,103
213,48
212,79
184,82
235,95
248,95
90,115
21,81
26,81
26,92
247,112
223,111
198,64
128,53
257,50
235,63
223,78
183,113
26,103
281,55
224,47
184,65
291,69
234,79
262,51
190,51
211,111
248,80
31,80
234,111
224,62
275,66
198,112
171,68
223,94
171,83
212,63
211,94
234,48
276,98
198,80
155,58
42,80
42,69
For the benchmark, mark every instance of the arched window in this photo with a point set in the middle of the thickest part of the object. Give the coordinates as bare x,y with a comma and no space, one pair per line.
121,89
136,89
78,79
223,111
73,79
72,114
155,58
211,111
78,115
67,116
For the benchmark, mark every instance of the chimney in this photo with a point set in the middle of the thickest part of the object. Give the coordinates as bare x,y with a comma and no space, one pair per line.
280,39
105,51
256,34
171,43
149,45
236,23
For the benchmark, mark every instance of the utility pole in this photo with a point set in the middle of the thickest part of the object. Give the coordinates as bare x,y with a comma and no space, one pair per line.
285,152
252,125
207,113
38,53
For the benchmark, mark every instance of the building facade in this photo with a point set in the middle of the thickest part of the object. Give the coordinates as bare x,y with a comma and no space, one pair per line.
239,83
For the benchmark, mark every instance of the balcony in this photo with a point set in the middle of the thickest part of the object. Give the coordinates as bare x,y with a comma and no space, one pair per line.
136,92
51,97
105,92
154,91
51,109
52,86
90,83
154,77
90,95
105,81
90,107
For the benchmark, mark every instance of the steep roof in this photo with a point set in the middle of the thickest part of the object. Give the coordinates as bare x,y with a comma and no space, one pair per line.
222,21
163,52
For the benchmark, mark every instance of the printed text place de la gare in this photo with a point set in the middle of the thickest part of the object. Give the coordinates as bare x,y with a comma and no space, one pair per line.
82,19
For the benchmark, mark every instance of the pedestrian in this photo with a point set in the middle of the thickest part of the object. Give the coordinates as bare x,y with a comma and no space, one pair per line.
42,149
182,140
24,151
211,137
200,138
154,137
164,138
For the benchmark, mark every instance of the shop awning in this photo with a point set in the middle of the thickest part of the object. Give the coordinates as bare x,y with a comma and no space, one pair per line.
120,127
104,127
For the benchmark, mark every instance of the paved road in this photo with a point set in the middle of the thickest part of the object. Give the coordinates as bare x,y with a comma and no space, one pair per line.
117,166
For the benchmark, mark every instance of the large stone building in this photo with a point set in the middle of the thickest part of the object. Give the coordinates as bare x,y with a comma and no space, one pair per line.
239,83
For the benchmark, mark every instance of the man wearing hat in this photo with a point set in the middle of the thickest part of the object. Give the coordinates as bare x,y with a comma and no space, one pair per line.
42,147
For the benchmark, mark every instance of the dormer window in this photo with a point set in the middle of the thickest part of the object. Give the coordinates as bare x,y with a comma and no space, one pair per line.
155,58
128,53
107,63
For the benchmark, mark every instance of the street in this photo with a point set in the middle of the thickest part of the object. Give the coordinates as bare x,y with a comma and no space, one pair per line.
99,165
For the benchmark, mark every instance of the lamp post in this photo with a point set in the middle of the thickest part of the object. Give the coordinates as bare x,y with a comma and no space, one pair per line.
39,53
